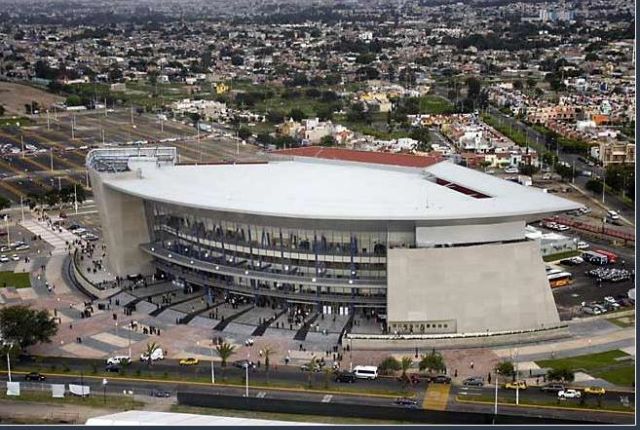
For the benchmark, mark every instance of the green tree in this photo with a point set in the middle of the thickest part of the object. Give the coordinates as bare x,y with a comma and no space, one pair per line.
275,117
73,100
506,369
561,374
563,170
5,203
297,114
405,364
267,351
312,367
527,169
389,365
432,362
224,350
328,140
594,186
244,133
24,327
423,136
518,85
149,350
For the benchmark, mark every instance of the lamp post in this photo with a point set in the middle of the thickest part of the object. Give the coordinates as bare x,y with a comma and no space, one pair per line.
104,390
8,345
213,372
246,378
495,404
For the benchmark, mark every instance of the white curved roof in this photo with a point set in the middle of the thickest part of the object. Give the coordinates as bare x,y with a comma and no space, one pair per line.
336,190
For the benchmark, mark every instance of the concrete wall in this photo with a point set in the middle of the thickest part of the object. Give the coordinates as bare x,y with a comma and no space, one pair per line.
473,233
124,227
494,288
381,342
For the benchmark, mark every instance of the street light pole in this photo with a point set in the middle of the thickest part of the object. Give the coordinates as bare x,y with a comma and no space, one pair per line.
246,378
9,364
213,372
495,405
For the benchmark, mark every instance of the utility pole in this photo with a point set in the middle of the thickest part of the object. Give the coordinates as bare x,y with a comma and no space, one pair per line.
48,122
73,137
51,157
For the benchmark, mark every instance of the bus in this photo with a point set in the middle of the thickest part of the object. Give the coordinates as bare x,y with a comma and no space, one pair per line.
611,257
595,257
560,279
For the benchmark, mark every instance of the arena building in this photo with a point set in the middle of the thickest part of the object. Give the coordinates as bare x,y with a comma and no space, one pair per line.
427,246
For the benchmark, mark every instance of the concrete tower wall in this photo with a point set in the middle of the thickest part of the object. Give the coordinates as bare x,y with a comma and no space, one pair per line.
124,226
471,289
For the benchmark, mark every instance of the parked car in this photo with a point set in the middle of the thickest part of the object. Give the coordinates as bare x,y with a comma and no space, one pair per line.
569,394
243,364
583,245
552,388
308,367
112,368
190,361
345,377
513,385
119,359
35,376
473,381
441,379
613,215
600,391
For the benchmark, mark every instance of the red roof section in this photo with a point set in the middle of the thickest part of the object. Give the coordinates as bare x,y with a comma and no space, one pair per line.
403,160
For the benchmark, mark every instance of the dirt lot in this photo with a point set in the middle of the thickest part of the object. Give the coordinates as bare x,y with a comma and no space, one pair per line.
14,96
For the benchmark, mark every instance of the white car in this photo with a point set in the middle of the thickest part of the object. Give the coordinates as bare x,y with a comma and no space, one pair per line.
569,394
613,215
576,260
4,259
511,170
15,257
583,245
118,359
610,300
562,227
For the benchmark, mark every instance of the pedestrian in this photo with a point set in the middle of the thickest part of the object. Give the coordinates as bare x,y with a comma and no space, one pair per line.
455,373
489,378
471,364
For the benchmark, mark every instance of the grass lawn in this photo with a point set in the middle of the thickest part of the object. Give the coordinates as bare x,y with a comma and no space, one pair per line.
600,365
16,280
591,403
435,105
94,400
623,322
278,416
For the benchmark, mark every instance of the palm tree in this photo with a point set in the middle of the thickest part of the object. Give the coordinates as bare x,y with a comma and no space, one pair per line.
149,350
225,350
267,351
312,367
405,364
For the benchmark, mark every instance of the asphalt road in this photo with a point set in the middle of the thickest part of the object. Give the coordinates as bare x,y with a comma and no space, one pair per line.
612,201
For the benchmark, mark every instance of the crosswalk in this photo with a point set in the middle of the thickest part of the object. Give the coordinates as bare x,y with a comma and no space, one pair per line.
261,394
56,239
327,398
436,397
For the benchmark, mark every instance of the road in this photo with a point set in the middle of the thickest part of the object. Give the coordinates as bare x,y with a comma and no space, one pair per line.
117,385
613,201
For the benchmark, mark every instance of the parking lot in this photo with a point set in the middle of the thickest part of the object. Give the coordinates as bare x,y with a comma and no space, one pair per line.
50,153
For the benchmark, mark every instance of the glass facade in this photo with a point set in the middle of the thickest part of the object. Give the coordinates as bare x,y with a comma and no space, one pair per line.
256,254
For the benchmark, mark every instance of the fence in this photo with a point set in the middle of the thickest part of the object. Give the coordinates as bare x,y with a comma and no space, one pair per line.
595,229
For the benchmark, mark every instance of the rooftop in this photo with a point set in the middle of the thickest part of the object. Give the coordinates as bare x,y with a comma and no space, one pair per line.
360,156
312,188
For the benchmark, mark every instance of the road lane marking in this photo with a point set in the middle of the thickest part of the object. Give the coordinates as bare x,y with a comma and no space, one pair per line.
261,394
327,398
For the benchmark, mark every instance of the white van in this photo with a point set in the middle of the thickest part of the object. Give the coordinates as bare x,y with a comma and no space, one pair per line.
365,372
613,215
118,359
157,354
